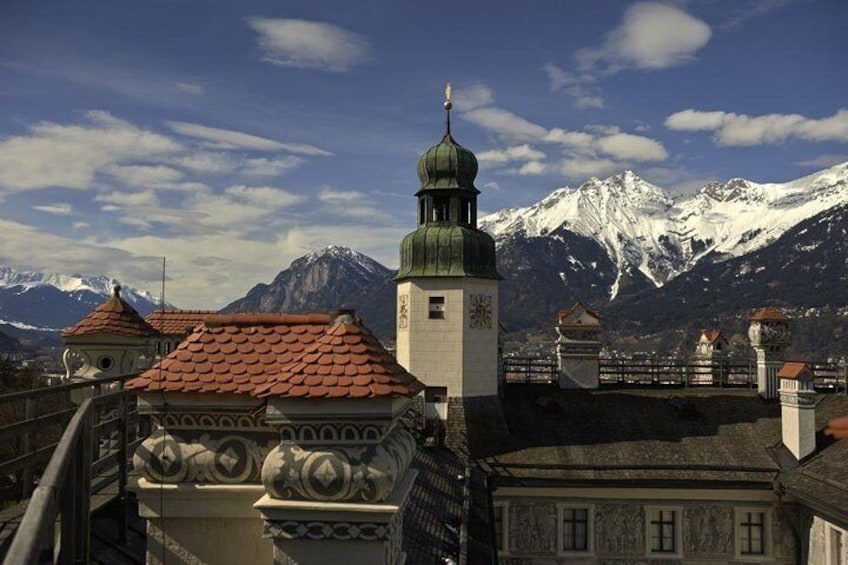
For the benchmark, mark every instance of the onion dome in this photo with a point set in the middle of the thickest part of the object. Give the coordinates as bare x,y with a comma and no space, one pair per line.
447,251
447,165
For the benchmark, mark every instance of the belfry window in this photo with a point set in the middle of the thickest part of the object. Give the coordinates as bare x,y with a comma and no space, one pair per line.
422,211
441,209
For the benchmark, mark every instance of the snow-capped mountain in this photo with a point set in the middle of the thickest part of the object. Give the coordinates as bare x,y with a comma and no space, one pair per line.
644,230
333,277
51,301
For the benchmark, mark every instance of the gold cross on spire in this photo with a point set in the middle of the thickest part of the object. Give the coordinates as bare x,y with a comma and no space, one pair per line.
448,106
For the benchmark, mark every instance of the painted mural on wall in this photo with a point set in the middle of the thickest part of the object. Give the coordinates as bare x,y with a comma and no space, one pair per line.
532,528
619,530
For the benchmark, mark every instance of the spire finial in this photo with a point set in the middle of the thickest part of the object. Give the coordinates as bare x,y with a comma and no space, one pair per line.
116,290
448,105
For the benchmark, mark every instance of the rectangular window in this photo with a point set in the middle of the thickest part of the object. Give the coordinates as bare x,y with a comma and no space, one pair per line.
437,307
753,529
575,529
663,534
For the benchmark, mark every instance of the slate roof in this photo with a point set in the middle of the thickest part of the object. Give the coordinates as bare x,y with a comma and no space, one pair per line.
116,317
768,314
177,323
448,513
289,355
821,482
644,436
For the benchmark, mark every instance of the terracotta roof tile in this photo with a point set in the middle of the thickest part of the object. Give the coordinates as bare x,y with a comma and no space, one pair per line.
177,323
322,372
233,352
794,370
711,335
768,314
114,317
289,355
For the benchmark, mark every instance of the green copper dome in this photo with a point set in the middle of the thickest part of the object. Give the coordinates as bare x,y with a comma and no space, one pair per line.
447,251
447,165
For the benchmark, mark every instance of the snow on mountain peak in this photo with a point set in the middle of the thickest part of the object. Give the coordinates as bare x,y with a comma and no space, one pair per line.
641,227
98,284
342,253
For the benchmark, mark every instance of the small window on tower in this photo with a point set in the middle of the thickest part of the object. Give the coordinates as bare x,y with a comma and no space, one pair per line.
437,307
440,209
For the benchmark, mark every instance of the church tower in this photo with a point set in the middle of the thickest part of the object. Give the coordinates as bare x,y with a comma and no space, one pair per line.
447,293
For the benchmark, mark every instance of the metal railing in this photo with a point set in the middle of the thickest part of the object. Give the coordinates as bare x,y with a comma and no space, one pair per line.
92,456
628,371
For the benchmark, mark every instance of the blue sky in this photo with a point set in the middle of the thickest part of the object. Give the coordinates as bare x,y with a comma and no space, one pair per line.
232,137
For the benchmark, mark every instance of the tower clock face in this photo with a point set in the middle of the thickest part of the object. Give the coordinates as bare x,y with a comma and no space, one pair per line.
480,311
403,311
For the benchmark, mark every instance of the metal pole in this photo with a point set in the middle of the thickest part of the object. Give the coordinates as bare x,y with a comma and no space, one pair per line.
123,430
26,441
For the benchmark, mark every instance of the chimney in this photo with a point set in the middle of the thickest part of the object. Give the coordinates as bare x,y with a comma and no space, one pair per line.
798,409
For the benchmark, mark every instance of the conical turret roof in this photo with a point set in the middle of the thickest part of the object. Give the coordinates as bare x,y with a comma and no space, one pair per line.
115,317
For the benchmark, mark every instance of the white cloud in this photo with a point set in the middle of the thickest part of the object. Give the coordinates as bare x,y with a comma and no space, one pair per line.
207,162
58,208
351,203
744,130
262,167
230,139
305,44
144,175
70,156
81,225
189,87
824,161
505,123
533,168
748,10
582,167
129,199
265,196
471,97
579,87
632,147
652,35
510,154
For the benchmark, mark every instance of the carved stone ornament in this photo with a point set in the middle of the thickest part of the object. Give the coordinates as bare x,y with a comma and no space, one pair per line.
769,333
403,311
333,474
619,529
708,531
802,399
480,311
578,334
210,458
345,531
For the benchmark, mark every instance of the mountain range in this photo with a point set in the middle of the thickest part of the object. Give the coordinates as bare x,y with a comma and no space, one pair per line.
40,302
653,263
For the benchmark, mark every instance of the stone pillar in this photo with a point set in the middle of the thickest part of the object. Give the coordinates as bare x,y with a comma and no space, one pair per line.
798,409
769,335
199,475
578,348
337,484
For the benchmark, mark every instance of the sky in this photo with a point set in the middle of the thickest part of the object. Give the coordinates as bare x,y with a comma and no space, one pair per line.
234,137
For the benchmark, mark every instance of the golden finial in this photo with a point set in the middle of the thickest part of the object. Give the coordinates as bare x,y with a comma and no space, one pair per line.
448,106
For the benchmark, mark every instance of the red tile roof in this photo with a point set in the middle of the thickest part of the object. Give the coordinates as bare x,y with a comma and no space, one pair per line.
793,370
290,355
346,362
575,310
768,314
177,322
711,335
838,427
114,317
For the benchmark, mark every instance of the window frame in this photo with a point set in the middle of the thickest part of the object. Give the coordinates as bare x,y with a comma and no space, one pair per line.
739,515
436,313
652,514
830,557
503,548
590,529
